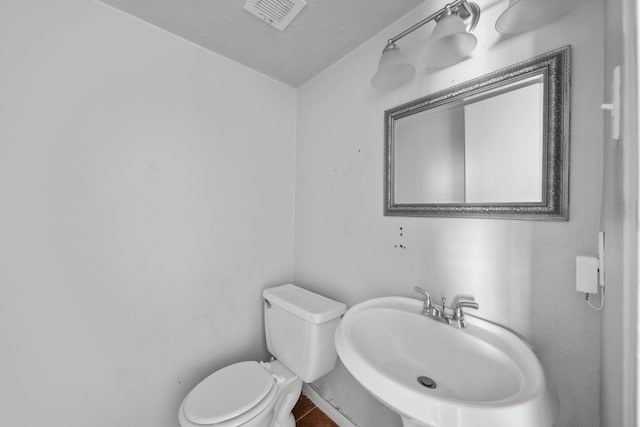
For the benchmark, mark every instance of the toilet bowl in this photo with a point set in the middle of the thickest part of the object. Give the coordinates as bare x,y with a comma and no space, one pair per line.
244,394
299,327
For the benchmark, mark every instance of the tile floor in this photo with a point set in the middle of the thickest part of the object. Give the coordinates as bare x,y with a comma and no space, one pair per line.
308,415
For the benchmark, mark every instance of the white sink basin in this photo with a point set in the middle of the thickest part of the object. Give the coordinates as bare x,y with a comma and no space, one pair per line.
484,375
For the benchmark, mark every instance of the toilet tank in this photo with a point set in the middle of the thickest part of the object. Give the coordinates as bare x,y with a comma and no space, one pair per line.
299,328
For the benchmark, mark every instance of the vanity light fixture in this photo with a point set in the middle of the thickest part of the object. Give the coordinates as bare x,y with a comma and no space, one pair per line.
524,15
451,42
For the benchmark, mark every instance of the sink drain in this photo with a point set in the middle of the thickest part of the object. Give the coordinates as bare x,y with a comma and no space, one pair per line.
427,382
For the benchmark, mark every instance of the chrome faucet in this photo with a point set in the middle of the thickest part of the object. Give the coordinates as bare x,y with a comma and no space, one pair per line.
439,312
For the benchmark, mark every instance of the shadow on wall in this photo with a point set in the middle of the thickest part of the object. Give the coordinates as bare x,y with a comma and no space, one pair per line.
483,261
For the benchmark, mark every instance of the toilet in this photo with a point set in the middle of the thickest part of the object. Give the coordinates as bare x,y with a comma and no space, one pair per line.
299,329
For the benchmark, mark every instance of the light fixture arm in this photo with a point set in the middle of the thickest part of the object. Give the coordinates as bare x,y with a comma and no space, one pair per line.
462,7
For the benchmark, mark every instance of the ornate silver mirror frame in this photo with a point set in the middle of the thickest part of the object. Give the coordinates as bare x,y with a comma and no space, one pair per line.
553,70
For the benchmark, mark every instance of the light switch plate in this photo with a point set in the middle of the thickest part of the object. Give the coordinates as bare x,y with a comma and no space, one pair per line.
614,106
601,258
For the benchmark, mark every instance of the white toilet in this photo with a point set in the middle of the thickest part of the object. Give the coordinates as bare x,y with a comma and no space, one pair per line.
299,327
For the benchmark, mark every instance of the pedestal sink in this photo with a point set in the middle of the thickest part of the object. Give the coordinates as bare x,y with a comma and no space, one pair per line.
435,375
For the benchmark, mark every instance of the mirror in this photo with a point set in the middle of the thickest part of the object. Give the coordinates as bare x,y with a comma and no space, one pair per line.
493,147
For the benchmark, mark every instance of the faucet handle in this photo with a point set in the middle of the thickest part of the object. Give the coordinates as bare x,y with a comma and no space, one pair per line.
426,308
458,313
421,290
468,304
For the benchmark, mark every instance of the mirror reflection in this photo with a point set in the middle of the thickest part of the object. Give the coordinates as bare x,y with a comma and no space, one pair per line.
484,148
496,146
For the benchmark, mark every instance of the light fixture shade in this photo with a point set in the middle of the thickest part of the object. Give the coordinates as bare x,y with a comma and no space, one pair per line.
525,15
394,69
450,41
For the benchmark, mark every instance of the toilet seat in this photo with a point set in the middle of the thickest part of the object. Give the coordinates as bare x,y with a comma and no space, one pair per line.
240,390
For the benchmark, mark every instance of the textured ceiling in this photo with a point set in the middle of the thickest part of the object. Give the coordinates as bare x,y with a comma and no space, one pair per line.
322,33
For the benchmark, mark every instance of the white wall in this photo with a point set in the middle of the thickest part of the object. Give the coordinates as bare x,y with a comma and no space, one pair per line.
521,272
146,193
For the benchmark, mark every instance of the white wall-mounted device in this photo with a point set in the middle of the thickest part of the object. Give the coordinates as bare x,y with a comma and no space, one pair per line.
590,274
587,274
590,270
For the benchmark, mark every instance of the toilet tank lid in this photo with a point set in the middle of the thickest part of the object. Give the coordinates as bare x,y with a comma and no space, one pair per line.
305,304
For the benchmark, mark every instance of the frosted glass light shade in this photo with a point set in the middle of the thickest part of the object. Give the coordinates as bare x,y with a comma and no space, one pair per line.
394,69
450,42
525,15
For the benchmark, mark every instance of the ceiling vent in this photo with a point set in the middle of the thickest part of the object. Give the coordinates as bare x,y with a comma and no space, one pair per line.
277,13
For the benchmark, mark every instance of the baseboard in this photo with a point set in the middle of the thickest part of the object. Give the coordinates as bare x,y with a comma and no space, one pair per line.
330,411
